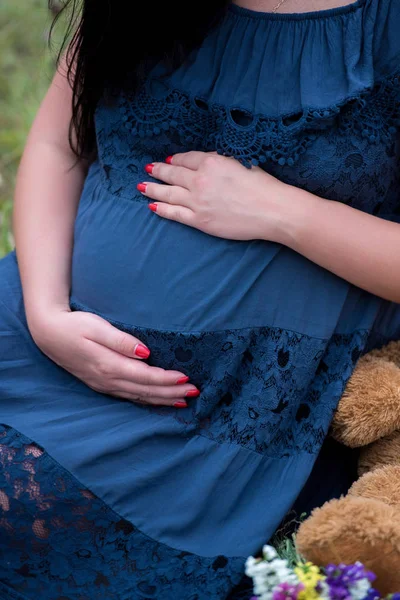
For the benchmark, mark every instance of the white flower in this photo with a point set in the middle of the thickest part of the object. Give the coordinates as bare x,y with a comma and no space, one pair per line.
279,563
263,590
280,566
292,578
360,589
266,596
277,567
269,553
273,580
255,568
261,587
283,572
251,560
324,592
252,565
269,573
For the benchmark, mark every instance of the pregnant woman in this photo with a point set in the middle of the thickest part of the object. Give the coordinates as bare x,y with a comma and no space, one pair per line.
206,241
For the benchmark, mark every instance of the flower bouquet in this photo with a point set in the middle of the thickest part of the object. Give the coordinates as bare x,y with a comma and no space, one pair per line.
274,579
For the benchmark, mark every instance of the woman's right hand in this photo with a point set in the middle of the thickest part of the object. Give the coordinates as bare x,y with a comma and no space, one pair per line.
108,360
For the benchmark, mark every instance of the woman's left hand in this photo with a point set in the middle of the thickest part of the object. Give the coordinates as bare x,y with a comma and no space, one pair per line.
219,196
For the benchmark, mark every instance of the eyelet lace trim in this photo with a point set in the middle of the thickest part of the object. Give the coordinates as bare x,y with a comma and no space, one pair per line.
255,139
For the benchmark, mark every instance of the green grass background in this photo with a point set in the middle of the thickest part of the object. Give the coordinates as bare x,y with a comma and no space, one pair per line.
26,68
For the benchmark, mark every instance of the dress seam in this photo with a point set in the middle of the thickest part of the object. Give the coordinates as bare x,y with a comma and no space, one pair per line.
81,307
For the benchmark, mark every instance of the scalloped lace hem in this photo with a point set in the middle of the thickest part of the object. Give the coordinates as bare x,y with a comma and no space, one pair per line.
254,139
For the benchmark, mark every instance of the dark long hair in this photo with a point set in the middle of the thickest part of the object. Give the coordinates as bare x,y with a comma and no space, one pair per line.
111,43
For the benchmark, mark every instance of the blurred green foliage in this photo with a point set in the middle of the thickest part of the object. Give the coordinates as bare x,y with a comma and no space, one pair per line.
26,68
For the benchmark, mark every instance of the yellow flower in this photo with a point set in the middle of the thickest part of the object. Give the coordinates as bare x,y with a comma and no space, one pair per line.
309,575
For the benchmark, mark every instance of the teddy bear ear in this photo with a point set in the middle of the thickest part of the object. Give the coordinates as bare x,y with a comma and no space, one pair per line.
370,406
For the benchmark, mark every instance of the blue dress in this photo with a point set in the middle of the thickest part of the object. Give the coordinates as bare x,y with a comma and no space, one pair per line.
102,498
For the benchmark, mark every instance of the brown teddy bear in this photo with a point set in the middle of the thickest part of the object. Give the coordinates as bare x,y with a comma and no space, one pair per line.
365,525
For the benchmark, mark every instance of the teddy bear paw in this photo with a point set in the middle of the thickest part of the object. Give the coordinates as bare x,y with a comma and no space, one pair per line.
355,529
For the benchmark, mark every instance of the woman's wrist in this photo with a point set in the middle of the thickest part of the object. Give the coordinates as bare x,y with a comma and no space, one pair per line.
294,216
39,317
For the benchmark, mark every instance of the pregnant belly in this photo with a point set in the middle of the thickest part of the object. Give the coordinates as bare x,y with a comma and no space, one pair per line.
248,322
133,267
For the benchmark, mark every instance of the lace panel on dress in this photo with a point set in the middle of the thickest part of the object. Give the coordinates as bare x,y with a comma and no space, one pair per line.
60,542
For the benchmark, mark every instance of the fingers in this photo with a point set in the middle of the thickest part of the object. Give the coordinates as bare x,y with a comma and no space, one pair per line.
167,193
171,202
181,214
133,380
144,374
115,367
189,160
113,351
161,396
179,176
106,335
177,403
138,382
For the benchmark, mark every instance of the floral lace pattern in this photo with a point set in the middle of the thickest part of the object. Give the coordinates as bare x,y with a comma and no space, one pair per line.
254,139
272,391
158,121
58,541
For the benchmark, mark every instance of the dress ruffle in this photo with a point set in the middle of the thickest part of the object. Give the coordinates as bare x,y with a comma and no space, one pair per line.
314,70
254,139
300,62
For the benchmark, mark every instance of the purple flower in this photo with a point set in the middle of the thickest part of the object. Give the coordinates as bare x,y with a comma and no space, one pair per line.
287,591
375,595
342,579
339,592
345,575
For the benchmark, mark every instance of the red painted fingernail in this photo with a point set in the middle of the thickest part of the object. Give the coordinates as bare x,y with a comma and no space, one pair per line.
192,394
149,168
180,405
142,187
168,160
141,351
182,380
153,207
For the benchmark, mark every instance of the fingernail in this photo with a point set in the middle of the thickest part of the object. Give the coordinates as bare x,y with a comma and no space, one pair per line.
153,207
149,168
192,394
182,380
142,187
180,405
141,351
168,160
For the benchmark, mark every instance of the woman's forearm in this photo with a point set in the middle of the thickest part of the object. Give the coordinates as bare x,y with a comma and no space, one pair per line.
48,187
361,248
